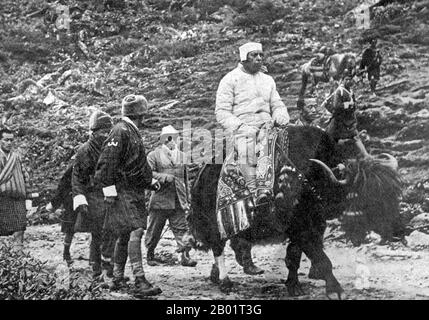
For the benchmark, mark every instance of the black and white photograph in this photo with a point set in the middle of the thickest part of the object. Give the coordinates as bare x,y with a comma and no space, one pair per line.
212,158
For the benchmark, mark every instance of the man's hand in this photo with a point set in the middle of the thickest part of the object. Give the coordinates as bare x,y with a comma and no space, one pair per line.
110,200
281,118
169,178
83,210
49,207
166,178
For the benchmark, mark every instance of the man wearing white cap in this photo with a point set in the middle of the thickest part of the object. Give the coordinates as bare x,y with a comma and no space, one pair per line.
171,201
246,100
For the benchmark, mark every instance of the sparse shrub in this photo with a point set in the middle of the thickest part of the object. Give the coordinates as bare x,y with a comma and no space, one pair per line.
159,4
207,7
22,277
262,12
177,49
123,46
385,15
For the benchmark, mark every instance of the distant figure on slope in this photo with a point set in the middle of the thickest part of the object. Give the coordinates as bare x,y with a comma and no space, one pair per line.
371,62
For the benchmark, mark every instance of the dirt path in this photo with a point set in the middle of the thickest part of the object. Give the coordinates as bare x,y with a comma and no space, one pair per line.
394,271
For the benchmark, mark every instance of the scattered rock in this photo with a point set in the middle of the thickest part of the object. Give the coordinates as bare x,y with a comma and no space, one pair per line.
53,101
373,237
225,14
72,75
397,254
420,222
418,240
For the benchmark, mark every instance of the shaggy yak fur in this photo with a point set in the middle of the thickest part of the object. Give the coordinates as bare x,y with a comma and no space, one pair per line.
304,199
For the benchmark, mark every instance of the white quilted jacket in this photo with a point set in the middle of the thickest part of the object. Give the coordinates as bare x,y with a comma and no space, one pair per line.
246,98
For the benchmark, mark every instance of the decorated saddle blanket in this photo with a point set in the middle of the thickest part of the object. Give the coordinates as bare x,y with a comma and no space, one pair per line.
235,202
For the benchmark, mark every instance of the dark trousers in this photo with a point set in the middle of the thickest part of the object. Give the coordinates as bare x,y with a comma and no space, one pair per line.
157,220
101,250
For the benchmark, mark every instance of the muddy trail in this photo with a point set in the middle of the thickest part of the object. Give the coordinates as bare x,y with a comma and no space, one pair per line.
177,66
372,271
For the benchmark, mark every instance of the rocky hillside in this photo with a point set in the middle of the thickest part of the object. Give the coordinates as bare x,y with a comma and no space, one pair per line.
175,53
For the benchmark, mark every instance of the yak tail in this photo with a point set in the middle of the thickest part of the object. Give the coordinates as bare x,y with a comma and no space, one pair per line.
373,201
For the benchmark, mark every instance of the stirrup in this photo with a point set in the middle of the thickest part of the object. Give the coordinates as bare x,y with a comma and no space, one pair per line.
263,199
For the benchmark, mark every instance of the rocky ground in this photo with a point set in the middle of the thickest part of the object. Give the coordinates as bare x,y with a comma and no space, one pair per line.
371,271
51,81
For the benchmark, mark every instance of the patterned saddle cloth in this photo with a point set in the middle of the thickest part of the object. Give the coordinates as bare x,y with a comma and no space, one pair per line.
235,203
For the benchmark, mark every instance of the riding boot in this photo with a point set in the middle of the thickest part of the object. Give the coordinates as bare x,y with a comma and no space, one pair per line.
150,259
66,255
66,252
185,259
144,288
248,265
154,260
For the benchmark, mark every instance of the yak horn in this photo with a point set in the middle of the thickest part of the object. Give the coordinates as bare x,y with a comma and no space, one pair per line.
391,162
331,175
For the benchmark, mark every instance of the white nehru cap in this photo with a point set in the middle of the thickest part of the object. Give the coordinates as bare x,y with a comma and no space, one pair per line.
168,130
249,47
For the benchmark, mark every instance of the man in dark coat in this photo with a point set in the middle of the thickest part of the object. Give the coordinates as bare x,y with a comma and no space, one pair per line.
171,202
63,196
343,125
123,174
371,62
88,201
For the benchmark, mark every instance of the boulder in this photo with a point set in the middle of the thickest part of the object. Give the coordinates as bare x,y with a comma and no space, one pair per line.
414,130
420,94
70,75
420,221
53,101
418,240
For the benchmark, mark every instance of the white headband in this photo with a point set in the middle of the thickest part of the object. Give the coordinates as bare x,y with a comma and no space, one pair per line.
249,47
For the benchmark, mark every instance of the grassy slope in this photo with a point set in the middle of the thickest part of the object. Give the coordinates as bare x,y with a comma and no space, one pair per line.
179,77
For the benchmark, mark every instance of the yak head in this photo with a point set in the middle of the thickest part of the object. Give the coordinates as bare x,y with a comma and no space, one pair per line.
373,189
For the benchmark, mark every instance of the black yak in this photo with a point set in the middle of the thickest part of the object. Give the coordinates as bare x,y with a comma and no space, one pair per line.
307,193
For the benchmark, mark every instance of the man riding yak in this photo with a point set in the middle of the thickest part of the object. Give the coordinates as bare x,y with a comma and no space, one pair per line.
246,101
287,189
341,103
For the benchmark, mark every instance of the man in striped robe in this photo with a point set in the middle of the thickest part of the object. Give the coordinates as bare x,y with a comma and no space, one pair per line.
14,190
